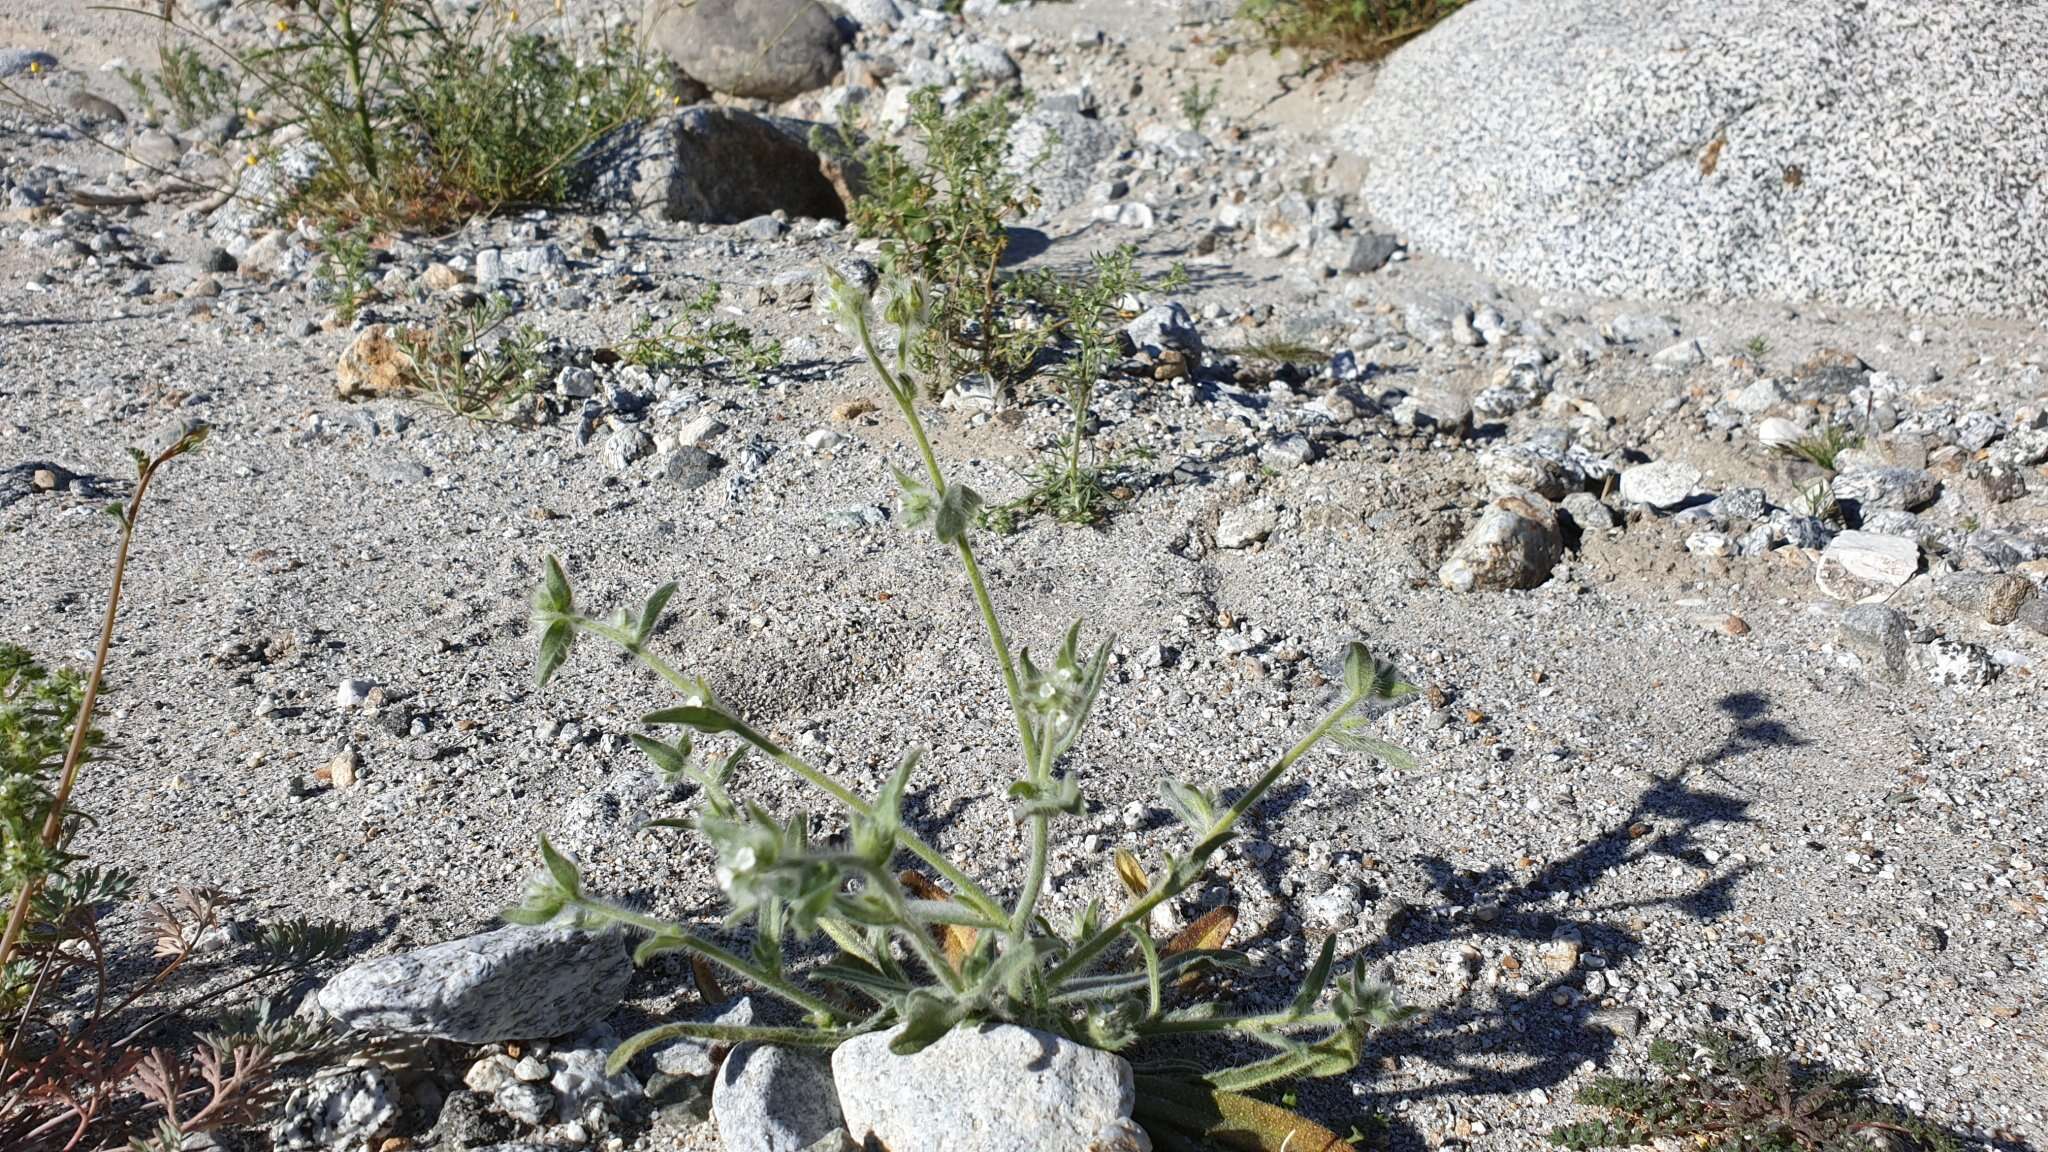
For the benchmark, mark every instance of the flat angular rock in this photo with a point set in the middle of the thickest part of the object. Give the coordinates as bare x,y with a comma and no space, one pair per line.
1660,483
1906,489
515,983
1866,565
994,1088
1515,545
773,1099
758,49
1996,597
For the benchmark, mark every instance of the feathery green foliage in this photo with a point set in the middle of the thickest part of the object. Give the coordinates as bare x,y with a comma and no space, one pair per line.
1718,1093
37,710
926,955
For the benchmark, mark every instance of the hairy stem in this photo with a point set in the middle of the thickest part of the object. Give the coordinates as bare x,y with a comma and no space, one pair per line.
937,478
691,942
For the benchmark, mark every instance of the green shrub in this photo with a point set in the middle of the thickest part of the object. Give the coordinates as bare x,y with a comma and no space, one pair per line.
942,210
1345,29
933,953
418,121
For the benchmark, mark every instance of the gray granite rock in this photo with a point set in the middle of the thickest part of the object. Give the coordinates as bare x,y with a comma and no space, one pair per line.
772,1099
714,165
994,1088
1906,489
758,49
1867,565
1877,632
1660,483
1995,597
514,983
343,1109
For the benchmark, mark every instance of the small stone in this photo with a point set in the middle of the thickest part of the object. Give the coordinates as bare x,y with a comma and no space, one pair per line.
1996,597
1680,357
1586,510
1287,452
341,771
1433,410
690,468
1515,544
1659,484
690,1056
823,439
1907,489
698,430
624,446
773,1099
1878,633
338,1110
374,365
1054,1093
1778,432
1957,664
352,694
1246,526
1164,326
530,1104
1622,1021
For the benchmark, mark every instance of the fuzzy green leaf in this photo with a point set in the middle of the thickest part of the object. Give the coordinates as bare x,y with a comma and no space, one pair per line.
554,649
560,869
705,720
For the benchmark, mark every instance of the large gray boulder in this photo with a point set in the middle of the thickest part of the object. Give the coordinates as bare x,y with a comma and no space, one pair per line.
992,1088
512,984
1868,153
759,49
773,1099
714,165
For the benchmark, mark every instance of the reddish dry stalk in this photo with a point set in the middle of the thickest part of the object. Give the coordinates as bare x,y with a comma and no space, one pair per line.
74,757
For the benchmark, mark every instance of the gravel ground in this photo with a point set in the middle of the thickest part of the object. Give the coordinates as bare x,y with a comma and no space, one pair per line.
1658,791
1876,154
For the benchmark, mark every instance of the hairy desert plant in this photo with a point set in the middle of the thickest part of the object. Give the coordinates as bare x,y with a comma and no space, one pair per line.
37,815
1719,1094
1345,29
931,954
463,365
343,274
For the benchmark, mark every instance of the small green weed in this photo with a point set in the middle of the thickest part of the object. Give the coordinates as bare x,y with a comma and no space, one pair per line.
1196,104
923,955
343,274
698,338
1072,486
1718,1092
1345,29
192,90
1757,347
459,365
1824,446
